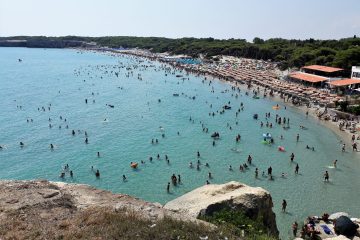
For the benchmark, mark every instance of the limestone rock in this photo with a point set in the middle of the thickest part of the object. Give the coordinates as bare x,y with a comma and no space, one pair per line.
253,201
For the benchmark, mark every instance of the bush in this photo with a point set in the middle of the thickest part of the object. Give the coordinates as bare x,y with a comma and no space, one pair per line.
239,224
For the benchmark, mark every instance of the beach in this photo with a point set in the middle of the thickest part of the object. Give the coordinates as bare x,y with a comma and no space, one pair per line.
131,109
227,75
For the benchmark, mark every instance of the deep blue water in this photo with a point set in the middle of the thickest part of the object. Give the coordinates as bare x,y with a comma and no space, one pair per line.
65,78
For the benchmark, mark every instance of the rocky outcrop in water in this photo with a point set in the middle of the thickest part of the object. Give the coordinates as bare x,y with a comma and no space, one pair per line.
255,202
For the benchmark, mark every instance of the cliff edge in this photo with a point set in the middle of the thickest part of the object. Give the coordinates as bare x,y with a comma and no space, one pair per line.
255,202
41,209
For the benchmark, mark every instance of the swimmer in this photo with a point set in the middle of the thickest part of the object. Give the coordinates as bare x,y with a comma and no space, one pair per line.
354,147
86,140
168,187
292,156
98,154
207,165
124,177
97,174
335,162
284,205
249,160
190,165
297,169
207,182
209,175
256,172
22,144
326,176
198,154
51,146
230,168
71,174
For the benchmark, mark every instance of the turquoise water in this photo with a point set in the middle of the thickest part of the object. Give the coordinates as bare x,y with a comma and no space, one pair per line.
56,77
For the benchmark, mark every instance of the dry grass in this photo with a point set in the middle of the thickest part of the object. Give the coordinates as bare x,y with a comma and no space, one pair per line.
101,223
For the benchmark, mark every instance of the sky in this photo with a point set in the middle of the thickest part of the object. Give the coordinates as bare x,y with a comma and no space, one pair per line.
222,19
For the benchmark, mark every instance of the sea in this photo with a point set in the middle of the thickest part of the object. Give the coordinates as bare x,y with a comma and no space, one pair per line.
131,102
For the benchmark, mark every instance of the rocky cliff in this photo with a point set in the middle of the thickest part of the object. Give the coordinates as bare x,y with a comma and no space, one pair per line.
53,210
255,202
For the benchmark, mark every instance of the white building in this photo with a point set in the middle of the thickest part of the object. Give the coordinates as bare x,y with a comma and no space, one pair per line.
355,72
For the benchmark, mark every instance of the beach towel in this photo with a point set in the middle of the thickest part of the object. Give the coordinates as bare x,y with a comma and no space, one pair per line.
326,229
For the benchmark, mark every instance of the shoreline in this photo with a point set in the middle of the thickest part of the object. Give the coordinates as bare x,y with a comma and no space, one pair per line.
344,135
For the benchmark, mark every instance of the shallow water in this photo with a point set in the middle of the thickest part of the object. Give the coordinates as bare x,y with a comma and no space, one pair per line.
48,76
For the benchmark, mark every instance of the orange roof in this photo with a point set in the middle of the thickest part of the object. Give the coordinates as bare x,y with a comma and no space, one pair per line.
308,77
323,68
344,82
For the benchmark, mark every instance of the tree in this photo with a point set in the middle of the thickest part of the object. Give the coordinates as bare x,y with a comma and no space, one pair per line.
258,40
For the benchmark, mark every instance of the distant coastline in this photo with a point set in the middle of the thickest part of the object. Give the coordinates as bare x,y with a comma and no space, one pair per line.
286,53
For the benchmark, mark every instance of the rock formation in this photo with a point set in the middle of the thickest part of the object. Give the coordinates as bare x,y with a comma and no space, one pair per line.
46,196
37,209
255,202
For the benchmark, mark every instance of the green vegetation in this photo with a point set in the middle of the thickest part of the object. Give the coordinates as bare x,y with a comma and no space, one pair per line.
342,53
354,110
239,224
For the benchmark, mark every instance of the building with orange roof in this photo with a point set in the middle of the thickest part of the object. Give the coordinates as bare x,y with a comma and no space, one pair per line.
345,82
323,70
308,79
